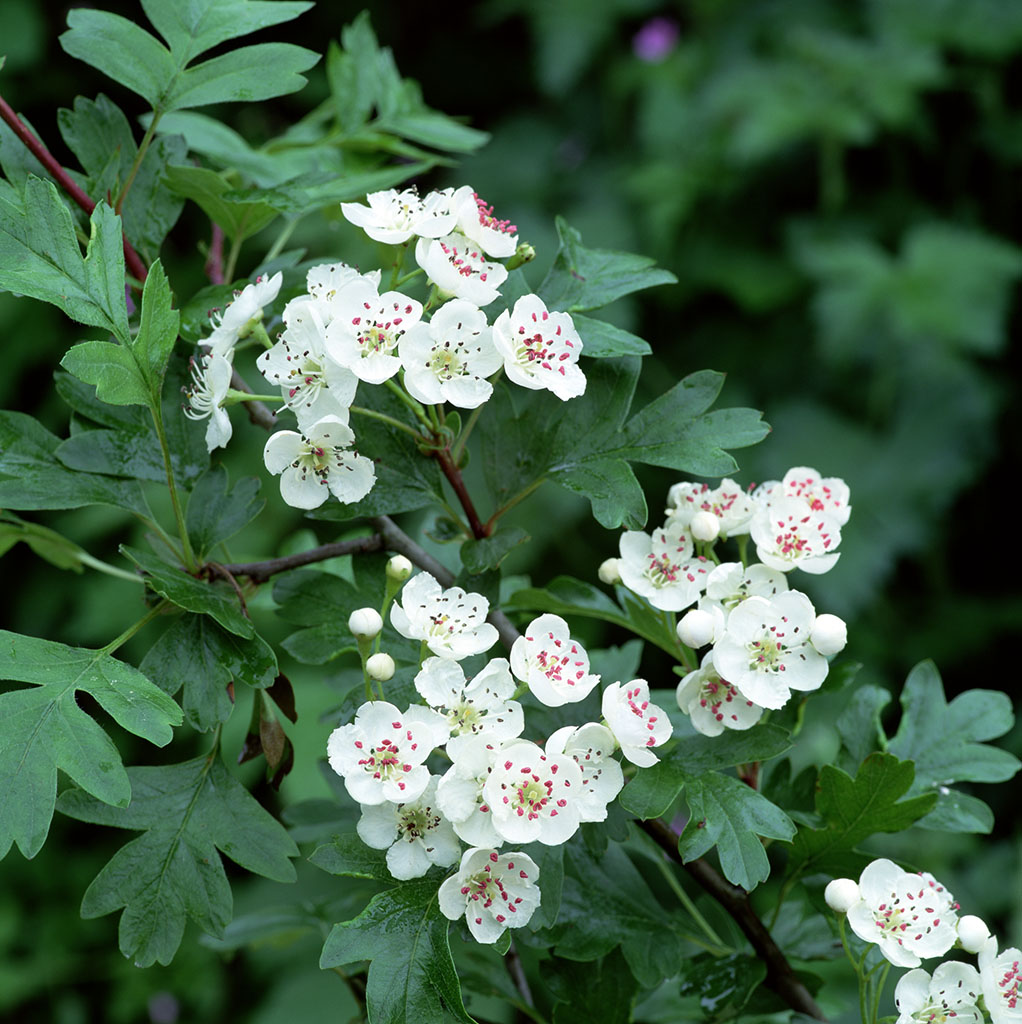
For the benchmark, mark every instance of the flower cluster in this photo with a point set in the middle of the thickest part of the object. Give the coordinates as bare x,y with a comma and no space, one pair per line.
500,788
911,917
343,332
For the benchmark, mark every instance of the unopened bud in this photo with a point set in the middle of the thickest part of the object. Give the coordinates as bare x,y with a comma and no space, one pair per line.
525,253
841,894
705,526
365,623
609,572
696,628
829,634
380,667
972,933
399,568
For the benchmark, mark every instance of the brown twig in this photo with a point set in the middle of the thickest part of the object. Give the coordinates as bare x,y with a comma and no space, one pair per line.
781,977
515,970
479,529
260,572
132,260
215,260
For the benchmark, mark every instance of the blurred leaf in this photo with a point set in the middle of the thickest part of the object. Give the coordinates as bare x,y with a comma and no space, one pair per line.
723,984
411,974
600,992
239,219
347,855
859,724
601,340
216,513
45,729
55,548
479,555
173,872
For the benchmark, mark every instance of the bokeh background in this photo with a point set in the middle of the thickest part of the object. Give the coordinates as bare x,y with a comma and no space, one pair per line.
835,185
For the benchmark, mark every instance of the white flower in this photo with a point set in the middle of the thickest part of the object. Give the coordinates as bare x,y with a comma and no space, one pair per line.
460,791
841,893
540,349
609,572
789,534
663,567
555,667
414,833
728,502
326,282
533,796
1001,980
380,667
497,238
365,623
398,568
492,892
311,384
972,933
765,650
699,627
591,746
705,526
391,217
950,995
247,306
318,463
449,359
821,494
456,265
482,707
637,724
909,917
380,754
713,703
829,634
729,584
452,623
211,379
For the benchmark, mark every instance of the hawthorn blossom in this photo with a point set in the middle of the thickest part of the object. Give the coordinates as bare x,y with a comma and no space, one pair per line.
480,707
766,650
394,217
730,583
540,349
950,995
367,328
1001,981
492,892
414,833
381,754
636,723
713,703
555,667
317,463
449,358
728,502
663,568
790,535
451,623
822,494
842,893
972,933
325,283
311,384
457,266
910,917
534,796
247,306
211,380
591,746
460,790
497,238
701,626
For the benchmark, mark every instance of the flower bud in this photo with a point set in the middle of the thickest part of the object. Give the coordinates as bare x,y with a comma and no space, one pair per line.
972,933
829,634
841,894
609,572
399,568
380,667
365,623
696,628
705,526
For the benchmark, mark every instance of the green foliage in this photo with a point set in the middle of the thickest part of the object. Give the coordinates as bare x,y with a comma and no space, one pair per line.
238,218
602,991
173,872
216,512
45,729
723,985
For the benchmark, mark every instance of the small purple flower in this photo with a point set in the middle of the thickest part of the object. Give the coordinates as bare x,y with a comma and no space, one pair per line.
655,40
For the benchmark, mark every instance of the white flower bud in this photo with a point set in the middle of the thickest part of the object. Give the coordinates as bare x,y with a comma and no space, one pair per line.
365,623
841,894
972,933
705,526
609,572
399,568
829,634
380,666
696,628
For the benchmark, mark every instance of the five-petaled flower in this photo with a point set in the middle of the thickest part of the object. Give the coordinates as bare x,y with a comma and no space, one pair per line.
451,623
638,725
555,667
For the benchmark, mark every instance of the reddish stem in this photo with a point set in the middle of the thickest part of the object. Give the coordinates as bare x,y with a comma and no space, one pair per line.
132,260
215,261
454,478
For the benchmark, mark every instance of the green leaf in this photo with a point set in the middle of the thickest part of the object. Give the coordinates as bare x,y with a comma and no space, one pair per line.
859,724
55,548
592,992
550,861
239,219
723,984
432,128
347,855
157,329
173,872
215,513
855,809
728,814
40,257
411,973
601,340
111,369
213,597
45,729
198,655
584,278
479,555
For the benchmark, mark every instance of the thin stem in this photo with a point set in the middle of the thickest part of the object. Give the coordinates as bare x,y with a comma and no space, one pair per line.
258,413
457,482
878,991
175,501
143,148
384,418
399,262
281,240
260,572
232,259
419,412
407,277
215,260
510,503
235,397
720,948
111,570
459,445
121,640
